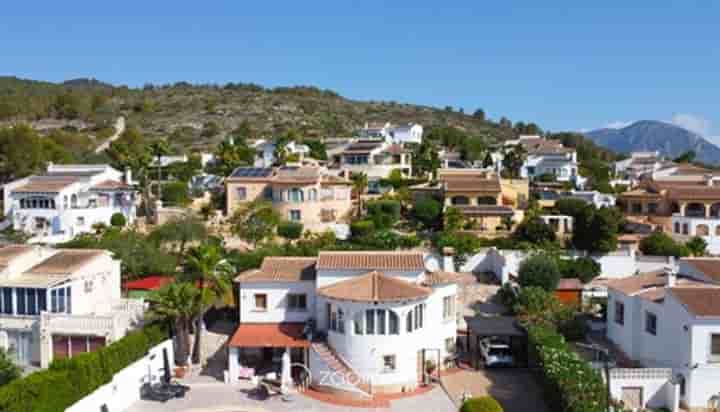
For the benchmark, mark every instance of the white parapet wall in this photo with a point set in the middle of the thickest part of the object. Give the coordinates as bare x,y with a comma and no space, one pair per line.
124,389
654,385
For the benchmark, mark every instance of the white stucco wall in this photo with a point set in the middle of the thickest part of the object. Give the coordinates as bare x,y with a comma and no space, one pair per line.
124,389
276,302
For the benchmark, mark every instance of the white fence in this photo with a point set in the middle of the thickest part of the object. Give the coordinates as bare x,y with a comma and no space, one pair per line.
124,389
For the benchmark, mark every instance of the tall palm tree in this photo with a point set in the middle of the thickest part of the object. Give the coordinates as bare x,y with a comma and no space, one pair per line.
359,186
176,304
206,265
158,149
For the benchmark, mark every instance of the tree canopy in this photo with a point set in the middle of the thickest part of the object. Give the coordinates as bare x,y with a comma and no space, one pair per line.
539,270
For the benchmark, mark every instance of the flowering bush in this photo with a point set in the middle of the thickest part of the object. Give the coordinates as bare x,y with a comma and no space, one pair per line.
570,384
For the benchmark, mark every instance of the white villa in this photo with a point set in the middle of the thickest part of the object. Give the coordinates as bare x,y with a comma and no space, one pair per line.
68,200
401,133
546,157
373,157
671,320
56,303
265,152
360,322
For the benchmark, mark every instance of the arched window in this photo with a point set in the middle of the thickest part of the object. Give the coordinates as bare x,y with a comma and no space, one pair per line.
695,210
65,202
702,230
296,195
312,195
73,201
486,200
460,200
393,323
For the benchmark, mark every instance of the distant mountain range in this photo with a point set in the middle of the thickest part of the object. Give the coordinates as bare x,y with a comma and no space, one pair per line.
650,135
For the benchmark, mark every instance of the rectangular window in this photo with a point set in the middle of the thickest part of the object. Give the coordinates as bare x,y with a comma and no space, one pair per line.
7,303
61,300
297,302
381,321
650,323
295,215
652,208
261,301
333,320
358,324
42,300
54,301
32,301
389,363
449,307
715,347
21,299
393,323
241,193
370,322
340,321
409,322
619,313
68,301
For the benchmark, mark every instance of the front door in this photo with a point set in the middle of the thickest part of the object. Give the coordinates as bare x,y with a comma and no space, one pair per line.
632,398
20,347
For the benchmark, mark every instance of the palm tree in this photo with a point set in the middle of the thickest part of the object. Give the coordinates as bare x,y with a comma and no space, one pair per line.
359,186
176,304
158,149
206,265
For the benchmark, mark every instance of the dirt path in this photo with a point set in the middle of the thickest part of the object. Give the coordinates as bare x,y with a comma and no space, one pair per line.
119,129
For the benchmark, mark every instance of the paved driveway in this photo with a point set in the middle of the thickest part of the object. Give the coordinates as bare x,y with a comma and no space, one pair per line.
515,389
232,398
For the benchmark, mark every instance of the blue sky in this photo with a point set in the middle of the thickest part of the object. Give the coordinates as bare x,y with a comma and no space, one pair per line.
562,65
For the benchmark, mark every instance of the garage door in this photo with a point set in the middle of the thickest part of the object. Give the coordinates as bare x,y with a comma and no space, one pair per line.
632,398
67,346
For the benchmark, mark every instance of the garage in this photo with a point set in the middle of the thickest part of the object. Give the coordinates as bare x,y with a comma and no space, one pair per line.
498,328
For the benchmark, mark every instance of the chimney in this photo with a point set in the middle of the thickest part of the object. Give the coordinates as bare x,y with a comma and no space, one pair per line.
671,276
448,259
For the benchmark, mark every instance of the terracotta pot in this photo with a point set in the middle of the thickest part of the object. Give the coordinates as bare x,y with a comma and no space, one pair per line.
180,371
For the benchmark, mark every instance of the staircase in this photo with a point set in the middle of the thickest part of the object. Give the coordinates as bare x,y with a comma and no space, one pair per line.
341,370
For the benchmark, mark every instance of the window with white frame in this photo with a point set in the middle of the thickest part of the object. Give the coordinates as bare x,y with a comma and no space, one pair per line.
449,308
30,301
340,321
619,313
295,215
358,323
389,363
715,347
297,302
6,301
241,193
650,323
61,300
415,318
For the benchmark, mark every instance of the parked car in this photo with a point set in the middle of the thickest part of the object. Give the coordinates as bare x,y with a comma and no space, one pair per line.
496,353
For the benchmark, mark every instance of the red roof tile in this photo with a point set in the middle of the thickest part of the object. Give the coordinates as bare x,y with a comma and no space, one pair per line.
401,261
269,335
374,287
148,283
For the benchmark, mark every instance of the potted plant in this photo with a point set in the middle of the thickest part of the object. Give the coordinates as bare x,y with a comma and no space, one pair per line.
180,371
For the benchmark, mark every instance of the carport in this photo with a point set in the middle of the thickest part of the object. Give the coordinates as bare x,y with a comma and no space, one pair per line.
505,327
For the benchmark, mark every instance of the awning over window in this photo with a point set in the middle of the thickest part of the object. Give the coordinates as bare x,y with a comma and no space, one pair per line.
269,335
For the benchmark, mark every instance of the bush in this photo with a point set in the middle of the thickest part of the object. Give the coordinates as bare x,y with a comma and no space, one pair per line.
290,230
69,380
660,244
464,244
539,270
481,404
362,228
175,194
427,211
383,213
584,268
118,220
570,384
534,230
574,329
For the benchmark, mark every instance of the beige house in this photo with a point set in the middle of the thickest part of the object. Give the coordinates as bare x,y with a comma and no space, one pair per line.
311,195
485,199
57,303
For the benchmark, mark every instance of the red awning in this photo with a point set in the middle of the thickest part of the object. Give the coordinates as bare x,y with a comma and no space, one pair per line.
269,335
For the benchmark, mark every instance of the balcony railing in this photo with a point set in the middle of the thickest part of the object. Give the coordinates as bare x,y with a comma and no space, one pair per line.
77,323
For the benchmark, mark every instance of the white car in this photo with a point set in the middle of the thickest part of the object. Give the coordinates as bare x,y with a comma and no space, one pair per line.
496,353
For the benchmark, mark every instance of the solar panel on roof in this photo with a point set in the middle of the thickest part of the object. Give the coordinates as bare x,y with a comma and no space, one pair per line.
252,172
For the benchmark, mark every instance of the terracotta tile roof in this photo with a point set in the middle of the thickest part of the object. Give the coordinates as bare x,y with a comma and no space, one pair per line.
471,184
440,278
269,335
397,149
652,285
65,262
10,252
305,174
363,146
281,269
569,284
704,302
111,185
708,266
387,261
374,287
485,210
46,184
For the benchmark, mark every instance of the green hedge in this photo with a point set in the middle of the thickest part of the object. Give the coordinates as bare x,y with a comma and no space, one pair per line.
569,382
481,404
69,380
